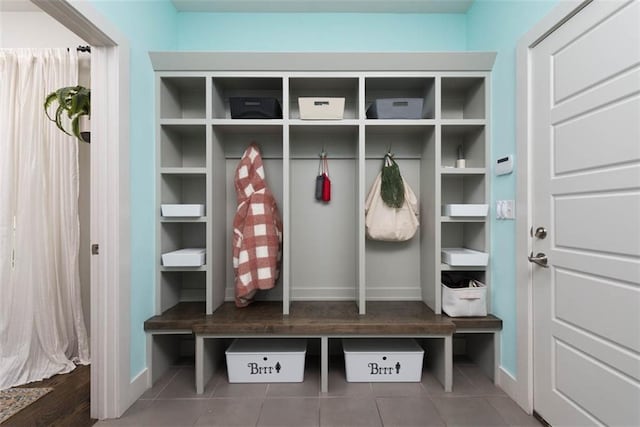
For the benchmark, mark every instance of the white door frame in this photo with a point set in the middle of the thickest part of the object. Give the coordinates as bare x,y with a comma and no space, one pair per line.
522,391
111,390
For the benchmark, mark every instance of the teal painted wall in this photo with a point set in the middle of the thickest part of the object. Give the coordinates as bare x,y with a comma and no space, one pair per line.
148,25
497,25
490,25
310,32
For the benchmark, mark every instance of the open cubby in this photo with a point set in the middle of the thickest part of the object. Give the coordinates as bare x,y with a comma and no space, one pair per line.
183,189
463,98
181,235
324,87
471,138
227,87
183,146
479,275
461,189
395,270
323,235
406,87
470,235
169,349
182,98
180,286
229,144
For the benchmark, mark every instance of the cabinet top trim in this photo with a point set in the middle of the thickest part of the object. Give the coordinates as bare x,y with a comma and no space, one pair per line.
322,61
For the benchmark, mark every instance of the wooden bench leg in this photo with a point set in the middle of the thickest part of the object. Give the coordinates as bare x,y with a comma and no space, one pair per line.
150,353
448,364
440,360
324,364
199,365
206,361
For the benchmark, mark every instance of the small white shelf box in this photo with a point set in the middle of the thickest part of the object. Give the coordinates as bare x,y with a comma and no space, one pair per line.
382,360
189,257
313,108
464,257
267,360
464,302
466,210
182,210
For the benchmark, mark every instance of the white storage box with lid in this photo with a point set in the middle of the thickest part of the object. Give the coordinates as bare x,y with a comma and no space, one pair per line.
182,211
268,360
383,360
466,210
314,108
460,257
465,302
189,257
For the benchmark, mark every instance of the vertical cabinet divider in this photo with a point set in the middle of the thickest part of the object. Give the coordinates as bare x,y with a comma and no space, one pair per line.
286,200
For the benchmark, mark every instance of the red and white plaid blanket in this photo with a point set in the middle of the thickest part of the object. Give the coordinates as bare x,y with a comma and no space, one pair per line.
257,230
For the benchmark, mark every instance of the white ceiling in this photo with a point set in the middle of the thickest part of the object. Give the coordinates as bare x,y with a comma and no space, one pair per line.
368,6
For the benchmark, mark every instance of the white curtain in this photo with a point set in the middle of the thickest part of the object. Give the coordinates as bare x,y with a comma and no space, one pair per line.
42,331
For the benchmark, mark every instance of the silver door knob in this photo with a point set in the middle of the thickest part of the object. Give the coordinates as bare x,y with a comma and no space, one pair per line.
539,233
540,259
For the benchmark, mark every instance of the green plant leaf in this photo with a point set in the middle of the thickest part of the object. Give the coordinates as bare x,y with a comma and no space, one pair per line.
391,186
74,102
47,103
59,112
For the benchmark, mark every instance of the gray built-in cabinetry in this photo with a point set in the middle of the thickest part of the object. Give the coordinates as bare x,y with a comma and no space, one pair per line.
326,254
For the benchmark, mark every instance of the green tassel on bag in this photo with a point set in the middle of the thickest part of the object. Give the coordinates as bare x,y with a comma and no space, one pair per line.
392,187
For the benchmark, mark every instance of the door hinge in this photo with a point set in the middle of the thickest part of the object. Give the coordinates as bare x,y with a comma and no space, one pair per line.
95,249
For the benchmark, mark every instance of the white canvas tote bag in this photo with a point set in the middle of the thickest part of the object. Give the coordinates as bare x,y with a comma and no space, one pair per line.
387,223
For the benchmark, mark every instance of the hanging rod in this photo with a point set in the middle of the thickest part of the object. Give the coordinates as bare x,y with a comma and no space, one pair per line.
84,49
233,157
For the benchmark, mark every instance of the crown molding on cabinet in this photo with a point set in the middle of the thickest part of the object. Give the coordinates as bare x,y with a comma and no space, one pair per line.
322,61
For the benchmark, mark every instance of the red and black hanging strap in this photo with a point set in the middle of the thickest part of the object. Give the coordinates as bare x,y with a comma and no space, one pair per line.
323,183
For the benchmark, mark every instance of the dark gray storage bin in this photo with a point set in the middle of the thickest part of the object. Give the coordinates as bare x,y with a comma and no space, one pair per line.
255,108
396,108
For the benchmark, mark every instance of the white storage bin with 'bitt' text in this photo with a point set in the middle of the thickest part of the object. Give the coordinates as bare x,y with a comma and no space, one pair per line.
268,360
314,108
465,302
382,360
189,257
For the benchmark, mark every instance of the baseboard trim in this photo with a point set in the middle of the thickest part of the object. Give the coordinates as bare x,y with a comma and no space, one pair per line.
138,386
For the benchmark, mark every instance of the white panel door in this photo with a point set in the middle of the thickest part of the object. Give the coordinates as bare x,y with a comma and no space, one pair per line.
586,181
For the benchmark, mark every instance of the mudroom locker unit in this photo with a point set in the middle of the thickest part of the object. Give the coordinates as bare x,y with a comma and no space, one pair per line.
334,282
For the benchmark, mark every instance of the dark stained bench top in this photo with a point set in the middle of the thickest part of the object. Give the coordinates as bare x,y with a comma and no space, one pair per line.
316,318
489,322
180,316
325,318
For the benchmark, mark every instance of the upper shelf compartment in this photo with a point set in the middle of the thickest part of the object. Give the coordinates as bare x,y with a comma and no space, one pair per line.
346,88
393,88
225,88
463,98
182,98
183,146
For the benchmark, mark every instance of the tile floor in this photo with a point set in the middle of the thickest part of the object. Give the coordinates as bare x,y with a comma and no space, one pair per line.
475,402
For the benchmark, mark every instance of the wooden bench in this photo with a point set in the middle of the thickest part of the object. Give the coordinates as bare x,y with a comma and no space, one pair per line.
324,321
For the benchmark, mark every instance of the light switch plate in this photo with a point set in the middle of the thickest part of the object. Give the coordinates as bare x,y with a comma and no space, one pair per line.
505,209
